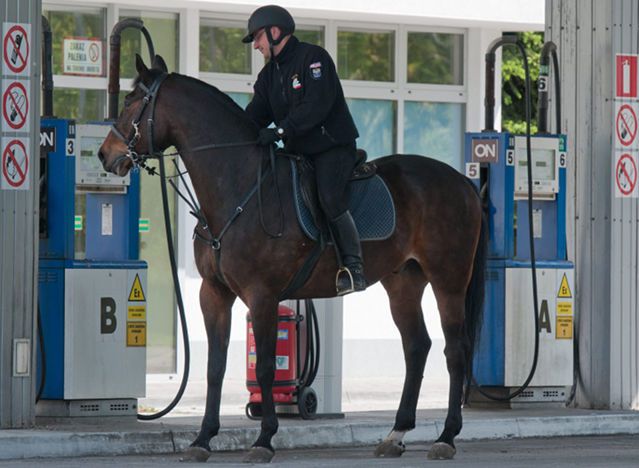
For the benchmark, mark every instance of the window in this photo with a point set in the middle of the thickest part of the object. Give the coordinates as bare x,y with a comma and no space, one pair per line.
222,49
84,23
375,121
435,129
435,58
311,34
163,28
366,55
83,105
241,99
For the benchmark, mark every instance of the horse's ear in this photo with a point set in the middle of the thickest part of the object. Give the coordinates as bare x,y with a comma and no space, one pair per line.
143,71
159,64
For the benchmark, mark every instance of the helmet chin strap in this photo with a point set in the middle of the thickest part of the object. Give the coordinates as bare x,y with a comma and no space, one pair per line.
272,42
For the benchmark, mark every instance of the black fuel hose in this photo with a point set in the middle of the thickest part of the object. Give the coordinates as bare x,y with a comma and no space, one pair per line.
490,56
178,295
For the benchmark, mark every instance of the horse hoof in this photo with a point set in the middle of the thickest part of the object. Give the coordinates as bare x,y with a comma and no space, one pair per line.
259,455
390,449
195,454
441,451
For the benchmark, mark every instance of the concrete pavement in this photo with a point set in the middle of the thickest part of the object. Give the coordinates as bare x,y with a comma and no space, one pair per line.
126,436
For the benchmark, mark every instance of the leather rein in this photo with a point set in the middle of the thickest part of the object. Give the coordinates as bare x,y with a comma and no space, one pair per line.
139,161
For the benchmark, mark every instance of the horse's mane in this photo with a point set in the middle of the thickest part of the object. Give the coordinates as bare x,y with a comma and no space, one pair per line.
220,97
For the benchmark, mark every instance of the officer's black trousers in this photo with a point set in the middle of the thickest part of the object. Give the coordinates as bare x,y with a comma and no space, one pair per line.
333,168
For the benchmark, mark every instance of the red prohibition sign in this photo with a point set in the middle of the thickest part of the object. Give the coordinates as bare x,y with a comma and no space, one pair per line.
15,105
629,174
9,160
14,57
626,125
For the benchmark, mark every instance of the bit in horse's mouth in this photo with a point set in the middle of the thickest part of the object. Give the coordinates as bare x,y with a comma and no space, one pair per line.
117,168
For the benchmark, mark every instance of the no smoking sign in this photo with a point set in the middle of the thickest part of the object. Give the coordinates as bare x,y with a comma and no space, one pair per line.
15,106
16,39
626,124
15,164
626,176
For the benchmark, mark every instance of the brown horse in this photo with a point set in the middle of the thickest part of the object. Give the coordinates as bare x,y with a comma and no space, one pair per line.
439,239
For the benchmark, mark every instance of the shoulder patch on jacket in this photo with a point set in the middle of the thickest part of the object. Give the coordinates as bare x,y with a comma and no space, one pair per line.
316,70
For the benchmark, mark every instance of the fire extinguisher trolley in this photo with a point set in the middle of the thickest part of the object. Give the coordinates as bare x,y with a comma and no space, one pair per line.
296,362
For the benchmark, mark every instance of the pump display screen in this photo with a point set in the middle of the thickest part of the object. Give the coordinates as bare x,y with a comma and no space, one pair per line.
543,165
88,168
89,161
545,169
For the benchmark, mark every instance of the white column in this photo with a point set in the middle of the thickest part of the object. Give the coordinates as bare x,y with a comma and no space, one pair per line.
478,41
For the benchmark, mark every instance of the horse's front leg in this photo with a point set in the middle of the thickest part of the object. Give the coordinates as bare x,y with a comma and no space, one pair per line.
264,317
216,301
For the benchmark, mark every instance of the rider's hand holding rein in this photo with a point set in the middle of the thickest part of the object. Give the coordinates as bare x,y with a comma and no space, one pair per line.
268,136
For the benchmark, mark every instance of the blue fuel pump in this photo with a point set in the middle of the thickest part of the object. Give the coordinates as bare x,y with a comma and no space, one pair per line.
92,285
525,352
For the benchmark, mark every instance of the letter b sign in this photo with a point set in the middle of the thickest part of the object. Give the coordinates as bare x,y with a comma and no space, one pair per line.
108,322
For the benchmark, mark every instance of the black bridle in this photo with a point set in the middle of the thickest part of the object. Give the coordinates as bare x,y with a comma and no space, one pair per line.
150,96
139,159
213,241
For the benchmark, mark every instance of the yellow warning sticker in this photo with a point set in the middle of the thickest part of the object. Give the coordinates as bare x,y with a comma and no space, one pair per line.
136,333
564,308
564,327
137,312
136,294
564,288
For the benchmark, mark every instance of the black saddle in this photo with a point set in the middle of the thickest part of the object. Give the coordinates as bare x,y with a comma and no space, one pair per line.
369,200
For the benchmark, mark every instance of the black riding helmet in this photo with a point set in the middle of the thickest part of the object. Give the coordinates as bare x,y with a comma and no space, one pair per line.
270,15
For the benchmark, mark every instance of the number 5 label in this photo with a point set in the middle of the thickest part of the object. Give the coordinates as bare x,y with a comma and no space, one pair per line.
472,170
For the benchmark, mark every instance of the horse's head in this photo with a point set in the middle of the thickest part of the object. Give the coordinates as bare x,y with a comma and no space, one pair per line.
128,139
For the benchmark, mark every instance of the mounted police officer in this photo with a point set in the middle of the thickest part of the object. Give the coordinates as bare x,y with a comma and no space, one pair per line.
300,91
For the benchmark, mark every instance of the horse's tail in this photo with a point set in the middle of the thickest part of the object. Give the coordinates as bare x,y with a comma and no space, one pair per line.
475,295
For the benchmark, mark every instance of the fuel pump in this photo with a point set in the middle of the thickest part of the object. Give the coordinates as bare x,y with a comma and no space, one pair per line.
525,352
92,285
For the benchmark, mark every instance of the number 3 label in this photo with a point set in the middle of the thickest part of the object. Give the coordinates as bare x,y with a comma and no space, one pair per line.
70,146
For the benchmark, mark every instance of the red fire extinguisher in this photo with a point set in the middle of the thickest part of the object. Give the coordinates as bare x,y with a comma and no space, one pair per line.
292,382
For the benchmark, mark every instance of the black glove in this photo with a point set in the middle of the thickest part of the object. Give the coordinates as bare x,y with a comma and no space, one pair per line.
268,136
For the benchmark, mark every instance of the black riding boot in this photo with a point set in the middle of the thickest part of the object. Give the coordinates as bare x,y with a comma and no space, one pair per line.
351,277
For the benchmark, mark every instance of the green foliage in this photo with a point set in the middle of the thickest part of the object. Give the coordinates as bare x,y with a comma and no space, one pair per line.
514,79
368,56
163,31
312,36
435,58
222,50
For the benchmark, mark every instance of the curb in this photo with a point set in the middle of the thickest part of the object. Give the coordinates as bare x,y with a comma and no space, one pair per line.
23,444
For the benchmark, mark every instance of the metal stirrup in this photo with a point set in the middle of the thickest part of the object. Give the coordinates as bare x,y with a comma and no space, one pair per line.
341,270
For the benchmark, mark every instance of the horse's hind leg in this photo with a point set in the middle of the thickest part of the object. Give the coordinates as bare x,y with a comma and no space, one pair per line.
451,310
405,290
216,302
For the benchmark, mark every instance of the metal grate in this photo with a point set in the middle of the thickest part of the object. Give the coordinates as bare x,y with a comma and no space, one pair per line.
89,408
119,407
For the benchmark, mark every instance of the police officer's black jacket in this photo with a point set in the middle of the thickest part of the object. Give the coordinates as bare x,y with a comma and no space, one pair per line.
299,90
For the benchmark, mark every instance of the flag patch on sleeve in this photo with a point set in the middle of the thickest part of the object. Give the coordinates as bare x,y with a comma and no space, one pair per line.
316,70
